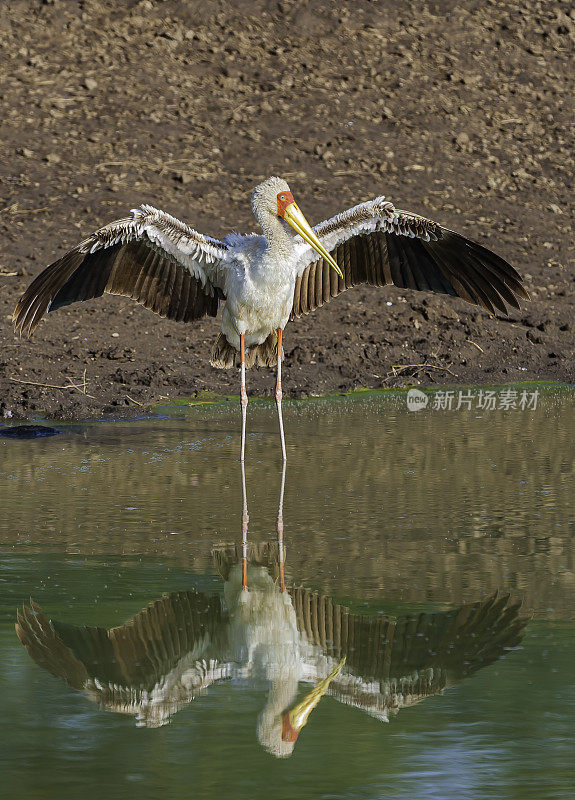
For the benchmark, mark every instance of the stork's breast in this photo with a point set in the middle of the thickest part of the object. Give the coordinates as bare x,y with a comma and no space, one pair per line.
264,306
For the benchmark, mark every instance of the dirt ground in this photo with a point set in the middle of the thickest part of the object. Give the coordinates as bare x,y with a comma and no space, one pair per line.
457,111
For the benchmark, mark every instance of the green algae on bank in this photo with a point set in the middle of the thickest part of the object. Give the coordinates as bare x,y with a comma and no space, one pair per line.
218,403
207,398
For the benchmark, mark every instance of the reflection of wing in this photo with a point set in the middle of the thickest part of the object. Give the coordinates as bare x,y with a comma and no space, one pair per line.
391,663
150,666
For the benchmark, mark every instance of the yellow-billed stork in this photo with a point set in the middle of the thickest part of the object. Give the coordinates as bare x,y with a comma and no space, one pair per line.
181,274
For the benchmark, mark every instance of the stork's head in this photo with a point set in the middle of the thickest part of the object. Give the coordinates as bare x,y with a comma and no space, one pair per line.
279,733
273,198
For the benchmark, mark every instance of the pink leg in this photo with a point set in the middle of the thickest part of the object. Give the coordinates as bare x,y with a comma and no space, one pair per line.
245,523
279,394
243,395
280,529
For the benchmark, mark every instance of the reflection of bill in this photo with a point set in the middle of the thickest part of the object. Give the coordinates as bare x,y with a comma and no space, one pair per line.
416,400
258,630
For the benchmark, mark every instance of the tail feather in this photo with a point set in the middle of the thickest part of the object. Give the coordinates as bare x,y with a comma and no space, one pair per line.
261,554
224,355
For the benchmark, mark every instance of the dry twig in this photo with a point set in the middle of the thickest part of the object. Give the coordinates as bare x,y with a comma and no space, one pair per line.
397,369
13,209
81,387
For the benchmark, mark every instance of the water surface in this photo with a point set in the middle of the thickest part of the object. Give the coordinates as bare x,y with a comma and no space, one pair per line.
393,519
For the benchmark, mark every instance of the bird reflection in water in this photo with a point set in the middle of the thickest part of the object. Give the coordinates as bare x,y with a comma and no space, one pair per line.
259,629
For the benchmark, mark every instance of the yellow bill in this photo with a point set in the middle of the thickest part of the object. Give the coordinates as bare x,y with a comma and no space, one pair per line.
293,215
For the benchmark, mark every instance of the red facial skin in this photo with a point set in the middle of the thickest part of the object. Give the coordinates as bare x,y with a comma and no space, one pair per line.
289,733
284,203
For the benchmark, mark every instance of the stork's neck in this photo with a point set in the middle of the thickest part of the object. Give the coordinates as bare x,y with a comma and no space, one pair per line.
282,691
279,239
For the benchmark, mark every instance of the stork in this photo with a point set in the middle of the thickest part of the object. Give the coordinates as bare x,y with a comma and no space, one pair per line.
182,644
264,281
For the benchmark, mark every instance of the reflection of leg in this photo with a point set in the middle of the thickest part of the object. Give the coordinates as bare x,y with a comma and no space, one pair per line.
279,394
245,522
243,395
281,530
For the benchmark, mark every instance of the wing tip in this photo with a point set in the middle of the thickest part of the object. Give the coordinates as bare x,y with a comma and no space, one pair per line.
26,617
24,320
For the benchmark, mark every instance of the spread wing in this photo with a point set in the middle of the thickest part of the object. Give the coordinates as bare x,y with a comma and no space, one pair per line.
151,257
392,663
149,667
375,243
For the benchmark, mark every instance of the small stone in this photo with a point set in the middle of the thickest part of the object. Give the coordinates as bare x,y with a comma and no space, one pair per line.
183,177
27,431
24,151
90,84
463,142
53,158
534,338
115,335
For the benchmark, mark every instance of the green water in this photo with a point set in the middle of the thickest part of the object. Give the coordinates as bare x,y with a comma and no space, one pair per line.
387,512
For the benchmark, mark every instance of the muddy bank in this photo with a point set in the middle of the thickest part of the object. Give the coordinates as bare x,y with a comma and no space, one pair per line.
460,113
